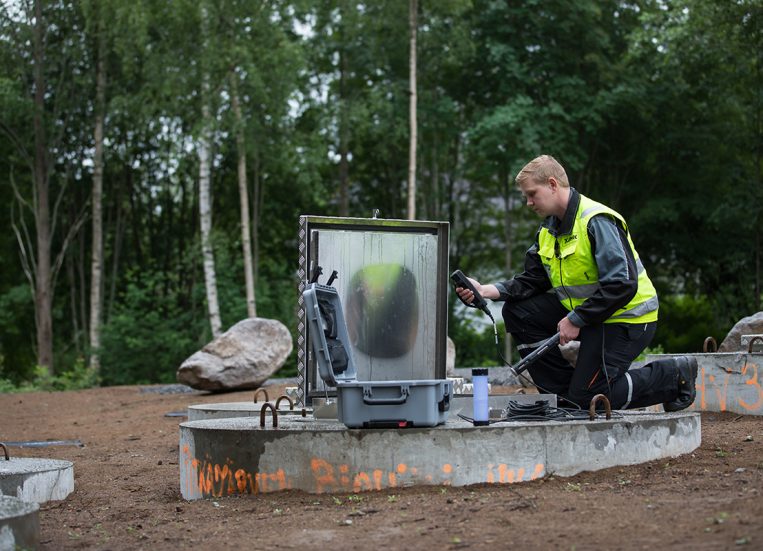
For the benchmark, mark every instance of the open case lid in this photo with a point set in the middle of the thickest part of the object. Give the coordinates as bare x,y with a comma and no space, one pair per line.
328,333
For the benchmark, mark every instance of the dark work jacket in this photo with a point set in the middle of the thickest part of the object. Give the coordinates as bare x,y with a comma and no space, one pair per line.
618,275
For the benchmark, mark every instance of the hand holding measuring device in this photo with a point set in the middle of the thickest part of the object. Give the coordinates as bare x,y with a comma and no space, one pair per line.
544,347
460,280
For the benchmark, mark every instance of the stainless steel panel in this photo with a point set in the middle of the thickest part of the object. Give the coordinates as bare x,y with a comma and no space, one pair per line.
393,281
388,283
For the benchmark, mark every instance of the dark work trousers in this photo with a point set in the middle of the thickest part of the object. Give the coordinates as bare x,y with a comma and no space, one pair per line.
609,347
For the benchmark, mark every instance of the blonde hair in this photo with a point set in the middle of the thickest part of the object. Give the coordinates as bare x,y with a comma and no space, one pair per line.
540,169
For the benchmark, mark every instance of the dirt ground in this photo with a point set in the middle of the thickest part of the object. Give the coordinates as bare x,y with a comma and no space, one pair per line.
127,493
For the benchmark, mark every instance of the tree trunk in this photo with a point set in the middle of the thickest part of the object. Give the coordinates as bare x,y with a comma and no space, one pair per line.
133,196
508,235
43,288
243,193
436,194
73,302
758,167
96,263
205,220
344,164
116,252
205,202
82,282
256,210
412,24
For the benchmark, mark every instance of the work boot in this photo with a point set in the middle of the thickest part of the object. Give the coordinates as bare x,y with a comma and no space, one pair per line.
687,391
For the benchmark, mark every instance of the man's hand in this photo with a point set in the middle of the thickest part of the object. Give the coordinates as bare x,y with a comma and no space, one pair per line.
568,331
487,291
466,295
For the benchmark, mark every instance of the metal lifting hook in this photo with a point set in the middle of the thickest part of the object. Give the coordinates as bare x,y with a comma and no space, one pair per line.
265,407
607,407
257,392
710,341
753,340
285,397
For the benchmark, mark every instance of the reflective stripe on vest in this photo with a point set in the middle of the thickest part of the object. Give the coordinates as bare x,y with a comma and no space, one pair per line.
571,267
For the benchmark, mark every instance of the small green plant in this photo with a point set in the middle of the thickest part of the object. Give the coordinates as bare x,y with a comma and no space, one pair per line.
392,498
78,377
573,487
720,452
7,386
720,518
354,498
658,349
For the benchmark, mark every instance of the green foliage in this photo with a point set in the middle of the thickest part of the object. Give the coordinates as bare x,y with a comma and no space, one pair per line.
152,330
474,340
653,107
685,321
16,320
78,377
649,350
7,386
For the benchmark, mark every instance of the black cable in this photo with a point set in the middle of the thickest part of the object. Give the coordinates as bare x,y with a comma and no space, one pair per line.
540,410
541,414
514,409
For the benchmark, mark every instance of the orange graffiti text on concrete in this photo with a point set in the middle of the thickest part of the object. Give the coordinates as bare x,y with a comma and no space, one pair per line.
755,384
323,473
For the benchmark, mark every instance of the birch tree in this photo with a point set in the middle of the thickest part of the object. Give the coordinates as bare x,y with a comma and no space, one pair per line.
96,263
205,200
344,123
412,27
251,306
48,109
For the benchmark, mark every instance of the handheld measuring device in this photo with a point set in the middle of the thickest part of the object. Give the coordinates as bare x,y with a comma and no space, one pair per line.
479,302
460,280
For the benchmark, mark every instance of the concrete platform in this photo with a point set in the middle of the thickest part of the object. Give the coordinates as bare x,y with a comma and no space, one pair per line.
225,410
19,524
727,381
36,480
235,456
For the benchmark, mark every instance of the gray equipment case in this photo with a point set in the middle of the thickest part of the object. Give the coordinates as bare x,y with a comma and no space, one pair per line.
371,404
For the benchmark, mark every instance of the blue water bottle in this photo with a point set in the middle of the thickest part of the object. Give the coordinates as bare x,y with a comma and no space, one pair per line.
480,397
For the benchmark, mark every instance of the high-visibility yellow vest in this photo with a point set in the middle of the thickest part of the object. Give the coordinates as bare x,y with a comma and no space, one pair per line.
571,267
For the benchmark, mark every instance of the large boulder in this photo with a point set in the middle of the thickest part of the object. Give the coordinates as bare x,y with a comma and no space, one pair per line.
243,357
751,325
